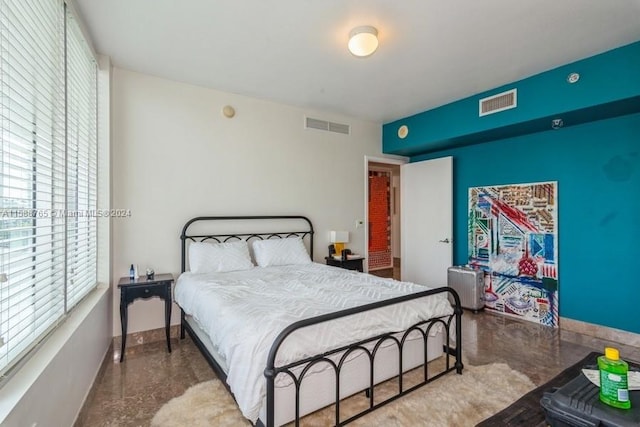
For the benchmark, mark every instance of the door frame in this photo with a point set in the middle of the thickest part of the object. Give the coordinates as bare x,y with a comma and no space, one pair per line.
395,161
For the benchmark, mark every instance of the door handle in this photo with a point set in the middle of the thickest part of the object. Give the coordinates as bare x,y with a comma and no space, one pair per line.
445,240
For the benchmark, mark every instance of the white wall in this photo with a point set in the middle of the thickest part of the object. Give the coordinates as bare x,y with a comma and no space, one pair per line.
175,157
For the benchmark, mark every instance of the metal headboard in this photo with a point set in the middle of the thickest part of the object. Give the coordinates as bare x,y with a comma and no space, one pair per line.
306,231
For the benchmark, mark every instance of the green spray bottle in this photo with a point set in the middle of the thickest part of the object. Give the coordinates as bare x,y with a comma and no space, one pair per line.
614,390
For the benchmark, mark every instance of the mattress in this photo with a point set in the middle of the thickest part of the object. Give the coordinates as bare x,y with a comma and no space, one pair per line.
242,312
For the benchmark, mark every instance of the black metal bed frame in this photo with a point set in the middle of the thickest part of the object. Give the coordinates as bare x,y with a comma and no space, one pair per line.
369,346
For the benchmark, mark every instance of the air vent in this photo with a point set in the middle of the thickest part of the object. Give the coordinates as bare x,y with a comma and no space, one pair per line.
500,102
311,123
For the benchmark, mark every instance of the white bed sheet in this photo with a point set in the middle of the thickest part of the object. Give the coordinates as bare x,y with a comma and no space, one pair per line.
244,311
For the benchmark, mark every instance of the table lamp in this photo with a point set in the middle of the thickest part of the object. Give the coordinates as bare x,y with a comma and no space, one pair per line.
339,238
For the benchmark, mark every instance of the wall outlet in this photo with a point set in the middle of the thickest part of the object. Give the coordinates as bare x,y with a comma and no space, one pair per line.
359,223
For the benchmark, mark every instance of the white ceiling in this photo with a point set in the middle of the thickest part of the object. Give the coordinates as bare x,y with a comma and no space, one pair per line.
431,52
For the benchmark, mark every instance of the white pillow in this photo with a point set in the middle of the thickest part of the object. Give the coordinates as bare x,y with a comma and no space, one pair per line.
287,251
205,257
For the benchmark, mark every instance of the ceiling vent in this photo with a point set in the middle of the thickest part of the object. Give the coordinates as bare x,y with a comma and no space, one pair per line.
311,123
500,102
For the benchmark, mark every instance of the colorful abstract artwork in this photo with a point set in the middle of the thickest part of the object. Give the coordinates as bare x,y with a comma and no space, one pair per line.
513,237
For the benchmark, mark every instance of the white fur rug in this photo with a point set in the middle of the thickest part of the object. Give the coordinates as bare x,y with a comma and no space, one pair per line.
451,401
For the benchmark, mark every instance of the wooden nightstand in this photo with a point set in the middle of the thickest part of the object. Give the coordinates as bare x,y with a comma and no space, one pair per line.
132,289
349,264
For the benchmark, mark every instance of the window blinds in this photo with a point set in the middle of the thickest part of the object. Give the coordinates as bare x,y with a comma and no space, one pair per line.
47,171
81,165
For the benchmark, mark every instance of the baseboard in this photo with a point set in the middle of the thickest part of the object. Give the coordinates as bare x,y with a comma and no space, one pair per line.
598,331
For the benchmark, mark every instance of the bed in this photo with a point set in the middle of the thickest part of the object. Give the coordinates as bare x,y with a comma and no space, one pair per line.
290,336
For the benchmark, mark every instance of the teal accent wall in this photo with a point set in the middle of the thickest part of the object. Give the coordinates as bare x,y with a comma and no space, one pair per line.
595,158
609,86
597,167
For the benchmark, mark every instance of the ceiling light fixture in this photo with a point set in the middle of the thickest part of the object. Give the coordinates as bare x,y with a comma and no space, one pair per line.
363,41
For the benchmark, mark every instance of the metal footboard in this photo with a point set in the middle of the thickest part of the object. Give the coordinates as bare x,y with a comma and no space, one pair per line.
272,371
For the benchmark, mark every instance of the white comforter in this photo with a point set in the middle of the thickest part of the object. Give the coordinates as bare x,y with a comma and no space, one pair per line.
244,311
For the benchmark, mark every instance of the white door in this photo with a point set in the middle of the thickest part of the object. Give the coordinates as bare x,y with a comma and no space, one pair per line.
426,221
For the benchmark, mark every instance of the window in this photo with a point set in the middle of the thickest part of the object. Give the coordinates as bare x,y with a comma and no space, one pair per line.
48,171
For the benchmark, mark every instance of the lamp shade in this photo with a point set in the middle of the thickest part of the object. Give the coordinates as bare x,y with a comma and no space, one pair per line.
339,237
363,41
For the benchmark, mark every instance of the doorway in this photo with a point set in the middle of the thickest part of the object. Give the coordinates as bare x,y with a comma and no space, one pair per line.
383,219
426,252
